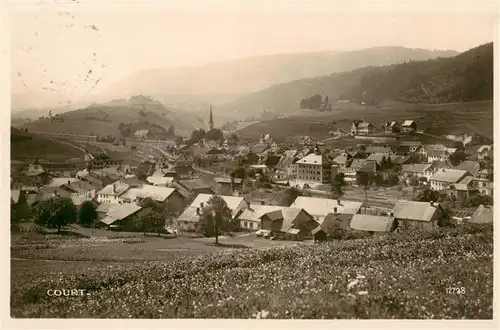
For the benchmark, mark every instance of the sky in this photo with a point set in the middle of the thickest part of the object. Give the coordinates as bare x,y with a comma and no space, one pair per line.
64,51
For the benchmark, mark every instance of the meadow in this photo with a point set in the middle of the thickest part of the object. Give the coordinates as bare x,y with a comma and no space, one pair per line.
457,118
404,275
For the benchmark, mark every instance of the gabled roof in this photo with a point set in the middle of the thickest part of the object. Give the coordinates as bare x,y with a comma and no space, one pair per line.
323,206
357,164
377,157
364,125
156,193
391,124
483,214
313,159
449,175
158,181
470,166
410,210
194,184
340,159
256,211
118,212
189,215
366,222
57,182
408,122
119,188
232,201
378,149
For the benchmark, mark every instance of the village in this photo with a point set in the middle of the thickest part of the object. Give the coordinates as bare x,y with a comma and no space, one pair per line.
293,191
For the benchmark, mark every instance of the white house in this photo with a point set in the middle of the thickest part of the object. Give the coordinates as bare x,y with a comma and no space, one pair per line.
319,208
444,178
112,192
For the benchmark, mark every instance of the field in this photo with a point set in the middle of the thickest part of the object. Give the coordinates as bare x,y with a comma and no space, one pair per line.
391,276
27,147
459,118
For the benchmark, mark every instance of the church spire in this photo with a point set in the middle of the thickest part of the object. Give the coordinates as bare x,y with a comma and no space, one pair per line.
211,120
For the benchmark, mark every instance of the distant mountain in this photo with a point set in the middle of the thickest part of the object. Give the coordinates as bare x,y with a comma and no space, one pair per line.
465,77
218,82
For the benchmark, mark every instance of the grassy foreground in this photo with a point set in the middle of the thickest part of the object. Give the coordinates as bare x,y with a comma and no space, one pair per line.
393,276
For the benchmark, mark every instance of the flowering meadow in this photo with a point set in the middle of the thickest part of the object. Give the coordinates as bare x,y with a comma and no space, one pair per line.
405,275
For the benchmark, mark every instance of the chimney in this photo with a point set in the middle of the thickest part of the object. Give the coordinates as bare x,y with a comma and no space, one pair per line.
197,211
201,205
262,202
69,183
335,210
338,201
432,203
114,188
391,214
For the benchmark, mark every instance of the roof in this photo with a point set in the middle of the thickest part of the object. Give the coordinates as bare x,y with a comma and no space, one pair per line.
470,166
408,122
232,201
189,215
285,162
257,210
141,132
364,125
463,184
227,180
158,181
483,214
313,159
120,188
78,186
399,159
57,182
391,123
358,163
415,168
156,193
368,222
194,184
437,153
78,200
323,206
484,148
293,231
340,159
104,207
449,175
410,210
118,212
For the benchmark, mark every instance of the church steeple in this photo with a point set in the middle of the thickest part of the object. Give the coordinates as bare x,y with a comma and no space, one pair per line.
211,120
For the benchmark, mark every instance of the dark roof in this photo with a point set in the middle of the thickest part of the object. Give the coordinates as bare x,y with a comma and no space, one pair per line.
194,184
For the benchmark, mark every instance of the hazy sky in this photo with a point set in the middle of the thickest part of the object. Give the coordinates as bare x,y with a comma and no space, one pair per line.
53,48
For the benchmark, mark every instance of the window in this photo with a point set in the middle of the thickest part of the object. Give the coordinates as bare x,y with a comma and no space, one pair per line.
251,225
245,224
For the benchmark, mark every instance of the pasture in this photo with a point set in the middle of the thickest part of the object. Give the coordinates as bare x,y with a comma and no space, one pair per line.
459,118
404,275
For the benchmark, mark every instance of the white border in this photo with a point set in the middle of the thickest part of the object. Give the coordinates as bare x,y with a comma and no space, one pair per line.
488,7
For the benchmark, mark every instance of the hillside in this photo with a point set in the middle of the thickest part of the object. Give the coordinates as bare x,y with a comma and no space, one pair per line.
104,119
466,77
219,80
26,146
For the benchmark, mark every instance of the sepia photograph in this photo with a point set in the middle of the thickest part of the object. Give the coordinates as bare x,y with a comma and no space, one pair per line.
277,160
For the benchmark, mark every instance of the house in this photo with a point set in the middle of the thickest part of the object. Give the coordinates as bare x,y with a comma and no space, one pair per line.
229,183
483,185
290,223
373,223
57,182
166,196
250,218
189,219
437,156
423,215
335,221
112,192
473,167
236,204
80,191
362,128
377,158
314,168
406,147
116,214
463,189
483,214
35,175
283,166
194,187
444,178
319,208
400,160
141,134
342,161
416,170
392,127
409,126
217,154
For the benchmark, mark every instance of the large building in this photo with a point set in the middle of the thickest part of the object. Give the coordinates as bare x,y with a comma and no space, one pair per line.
314,168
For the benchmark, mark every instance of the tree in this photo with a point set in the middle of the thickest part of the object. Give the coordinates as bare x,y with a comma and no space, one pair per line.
428,195
457,157
150,220
289,195
215,218
87,214
239,173
149,203
477,200
214,135
197,135
364,179
337,184
55,213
